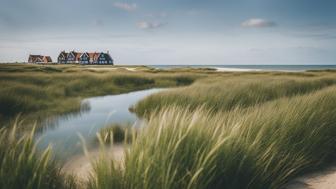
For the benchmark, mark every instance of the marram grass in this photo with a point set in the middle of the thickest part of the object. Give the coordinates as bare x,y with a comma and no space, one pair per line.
40,91
23,167
116,133
222,94
259,147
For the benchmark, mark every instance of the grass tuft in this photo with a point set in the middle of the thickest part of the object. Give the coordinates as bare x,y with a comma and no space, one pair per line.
117,133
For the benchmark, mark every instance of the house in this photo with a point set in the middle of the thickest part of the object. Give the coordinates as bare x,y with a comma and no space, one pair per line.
39,59
74,57
46,59
62,57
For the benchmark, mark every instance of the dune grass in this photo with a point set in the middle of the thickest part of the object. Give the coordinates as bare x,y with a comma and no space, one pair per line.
262,146
23,167
223,93
117,133
226,130
40,91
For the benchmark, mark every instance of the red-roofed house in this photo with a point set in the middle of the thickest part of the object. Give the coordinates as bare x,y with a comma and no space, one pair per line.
39,59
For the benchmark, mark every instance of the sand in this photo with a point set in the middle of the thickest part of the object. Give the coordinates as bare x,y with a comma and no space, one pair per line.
321,180
80,165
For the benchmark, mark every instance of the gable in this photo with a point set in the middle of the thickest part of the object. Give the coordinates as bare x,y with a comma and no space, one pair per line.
84,56
101,56
71,55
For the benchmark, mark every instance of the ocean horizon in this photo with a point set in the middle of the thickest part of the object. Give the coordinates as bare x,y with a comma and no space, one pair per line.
293,68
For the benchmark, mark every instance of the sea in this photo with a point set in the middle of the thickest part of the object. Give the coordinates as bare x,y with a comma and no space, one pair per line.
282,68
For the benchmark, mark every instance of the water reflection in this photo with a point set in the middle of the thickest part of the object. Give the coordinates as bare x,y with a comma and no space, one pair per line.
62,132
54,122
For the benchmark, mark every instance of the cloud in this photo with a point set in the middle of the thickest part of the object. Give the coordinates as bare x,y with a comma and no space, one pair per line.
147,25
126,6
258,23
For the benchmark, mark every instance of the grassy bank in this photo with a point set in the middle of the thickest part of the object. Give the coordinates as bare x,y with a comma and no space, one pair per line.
40,91
227,93
262,146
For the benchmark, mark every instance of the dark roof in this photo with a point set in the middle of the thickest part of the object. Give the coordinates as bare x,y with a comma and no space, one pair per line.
92,55
65,54
107,56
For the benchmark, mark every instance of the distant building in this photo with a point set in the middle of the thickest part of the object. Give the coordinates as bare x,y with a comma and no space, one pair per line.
74,57
39,59
62,58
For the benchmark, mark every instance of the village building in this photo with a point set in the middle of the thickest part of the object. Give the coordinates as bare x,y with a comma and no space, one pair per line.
39,59
74,57
62,57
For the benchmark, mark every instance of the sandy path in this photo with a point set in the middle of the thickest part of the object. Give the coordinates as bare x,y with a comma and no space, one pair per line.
322,180
80,165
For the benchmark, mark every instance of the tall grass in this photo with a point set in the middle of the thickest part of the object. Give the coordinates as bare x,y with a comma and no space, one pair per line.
23,167
39,91
221,94
262,146
117,133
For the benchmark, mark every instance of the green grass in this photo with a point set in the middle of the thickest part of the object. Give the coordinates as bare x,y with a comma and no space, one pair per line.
227,93
40,91
262,146
117,133
23,167
225,130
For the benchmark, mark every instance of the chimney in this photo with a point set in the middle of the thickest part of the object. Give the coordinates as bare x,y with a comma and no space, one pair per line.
108,52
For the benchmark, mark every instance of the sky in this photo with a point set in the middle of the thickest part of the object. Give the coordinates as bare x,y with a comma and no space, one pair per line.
175,32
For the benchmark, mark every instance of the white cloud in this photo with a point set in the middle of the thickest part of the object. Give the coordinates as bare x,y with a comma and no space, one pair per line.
258,23
126,6
146,25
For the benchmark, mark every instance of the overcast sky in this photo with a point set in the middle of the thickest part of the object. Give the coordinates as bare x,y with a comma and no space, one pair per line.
173,31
